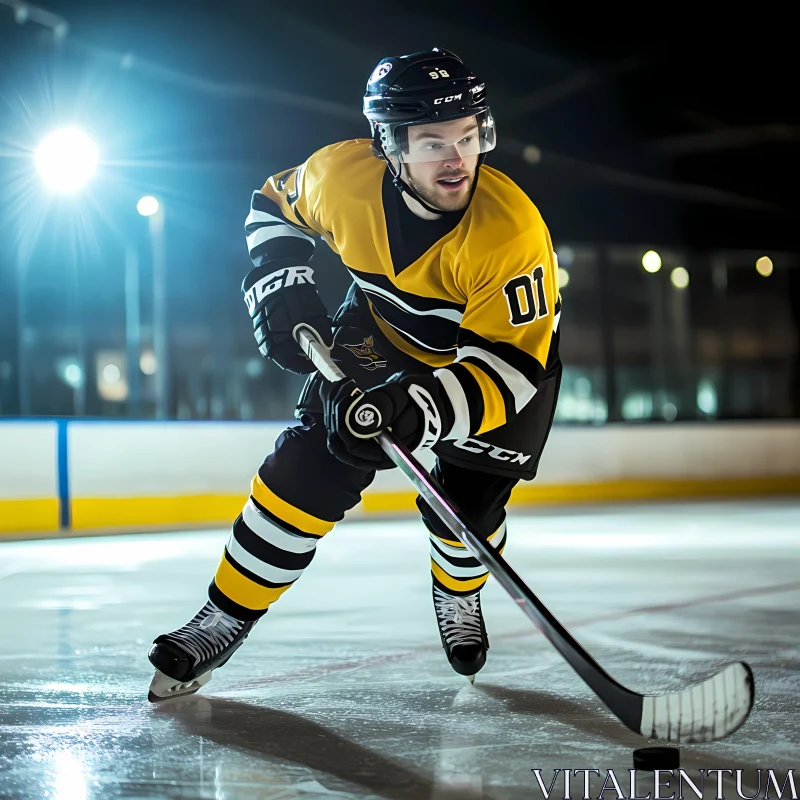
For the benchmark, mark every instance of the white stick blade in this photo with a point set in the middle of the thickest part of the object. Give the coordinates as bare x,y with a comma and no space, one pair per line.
705,712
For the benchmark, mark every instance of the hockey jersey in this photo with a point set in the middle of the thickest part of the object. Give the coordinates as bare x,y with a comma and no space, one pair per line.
481,305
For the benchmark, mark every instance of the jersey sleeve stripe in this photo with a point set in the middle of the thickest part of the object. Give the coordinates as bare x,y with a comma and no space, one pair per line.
517,359
270,235
261,204
522,389
273,230
509,400
260,219
473,393
494,407
298,251
458,400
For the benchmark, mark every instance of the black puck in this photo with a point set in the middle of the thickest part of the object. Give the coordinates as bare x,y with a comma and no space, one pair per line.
652,758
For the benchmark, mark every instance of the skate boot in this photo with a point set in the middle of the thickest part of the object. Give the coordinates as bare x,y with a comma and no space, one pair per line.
185,658
462,630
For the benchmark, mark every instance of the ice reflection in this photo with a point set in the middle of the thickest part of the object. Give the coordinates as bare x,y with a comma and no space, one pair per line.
69,779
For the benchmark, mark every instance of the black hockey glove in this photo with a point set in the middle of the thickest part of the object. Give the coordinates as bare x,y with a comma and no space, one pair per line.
279,299
414,407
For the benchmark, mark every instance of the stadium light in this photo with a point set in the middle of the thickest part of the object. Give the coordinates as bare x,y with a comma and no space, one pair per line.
147,206
70,371
111,373
147,362
66,160
651,261
73,374
679,277
563,278
764,266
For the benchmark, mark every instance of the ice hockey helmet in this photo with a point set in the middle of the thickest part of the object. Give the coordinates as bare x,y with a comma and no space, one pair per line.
429,86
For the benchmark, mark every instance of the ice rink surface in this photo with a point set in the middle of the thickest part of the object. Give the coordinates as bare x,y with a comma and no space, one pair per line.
343,690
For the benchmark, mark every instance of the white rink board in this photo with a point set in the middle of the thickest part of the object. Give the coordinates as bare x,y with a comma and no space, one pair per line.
145,459
28,468
140,459
719,450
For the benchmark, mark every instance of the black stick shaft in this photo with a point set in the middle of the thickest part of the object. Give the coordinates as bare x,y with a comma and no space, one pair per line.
622,702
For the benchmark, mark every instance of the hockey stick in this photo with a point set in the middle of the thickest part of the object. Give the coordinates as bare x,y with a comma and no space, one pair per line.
704,712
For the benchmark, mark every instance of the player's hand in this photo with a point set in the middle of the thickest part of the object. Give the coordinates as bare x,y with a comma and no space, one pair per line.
280,299
414,407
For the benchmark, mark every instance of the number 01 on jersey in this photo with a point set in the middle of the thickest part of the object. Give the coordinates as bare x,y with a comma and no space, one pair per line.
526,298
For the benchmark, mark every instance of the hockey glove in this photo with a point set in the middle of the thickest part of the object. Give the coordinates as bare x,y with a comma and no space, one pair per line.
415,408
279,299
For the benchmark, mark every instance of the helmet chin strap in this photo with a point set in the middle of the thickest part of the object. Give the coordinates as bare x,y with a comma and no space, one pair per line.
402,186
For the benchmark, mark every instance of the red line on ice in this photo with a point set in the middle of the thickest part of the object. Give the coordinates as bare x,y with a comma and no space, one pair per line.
310,673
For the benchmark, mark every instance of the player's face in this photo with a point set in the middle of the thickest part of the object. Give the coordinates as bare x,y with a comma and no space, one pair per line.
442,161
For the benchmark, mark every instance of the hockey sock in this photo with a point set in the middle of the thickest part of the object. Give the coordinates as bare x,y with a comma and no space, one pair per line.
455,569
271,543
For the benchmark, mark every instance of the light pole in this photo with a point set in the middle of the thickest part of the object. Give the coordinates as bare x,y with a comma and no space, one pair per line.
66,161
149,207
133,338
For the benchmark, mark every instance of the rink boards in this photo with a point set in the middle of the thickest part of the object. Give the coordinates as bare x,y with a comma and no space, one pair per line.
65,475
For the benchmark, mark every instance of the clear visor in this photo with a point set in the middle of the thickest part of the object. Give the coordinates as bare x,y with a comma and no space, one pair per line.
446,140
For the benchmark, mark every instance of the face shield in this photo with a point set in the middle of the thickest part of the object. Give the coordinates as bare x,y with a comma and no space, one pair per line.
439,141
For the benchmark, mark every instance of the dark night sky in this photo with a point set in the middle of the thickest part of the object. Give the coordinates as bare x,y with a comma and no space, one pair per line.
629,112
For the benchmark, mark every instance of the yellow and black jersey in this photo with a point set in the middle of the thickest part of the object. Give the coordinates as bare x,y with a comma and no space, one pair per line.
478,300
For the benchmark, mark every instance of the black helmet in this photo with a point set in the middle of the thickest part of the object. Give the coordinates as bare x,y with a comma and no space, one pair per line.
429,86
426,87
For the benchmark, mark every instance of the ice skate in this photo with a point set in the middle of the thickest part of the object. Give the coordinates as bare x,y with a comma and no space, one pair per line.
462,630
185,659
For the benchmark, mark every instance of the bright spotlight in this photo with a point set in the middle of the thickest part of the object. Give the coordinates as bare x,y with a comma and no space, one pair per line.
679,277
764,266
73,374
147,206
70,372
651,261
66,160
111,373
563,278
148,363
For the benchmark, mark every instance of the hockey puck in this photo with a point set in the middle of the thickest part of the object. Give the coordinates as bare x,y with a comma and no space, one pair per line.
652,758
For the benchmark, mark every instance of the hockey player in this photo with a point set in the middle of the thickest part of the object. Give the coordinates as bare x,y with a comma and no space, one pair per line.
451,325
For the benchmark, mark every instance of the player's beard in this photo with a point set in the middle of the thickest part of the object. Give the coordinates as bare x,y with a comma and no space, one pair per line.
439,198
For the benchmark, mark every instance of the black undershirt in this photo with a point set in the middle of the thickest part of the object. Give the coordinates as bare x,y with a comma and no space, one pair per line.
409,235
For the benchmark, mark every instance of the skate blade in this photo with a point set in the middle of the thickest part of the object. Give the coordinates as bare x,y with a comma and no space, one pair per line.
162,687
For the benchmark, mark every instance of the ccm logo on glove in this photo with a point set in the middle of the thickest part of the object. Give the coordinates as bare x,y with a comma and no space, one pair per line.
288,276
